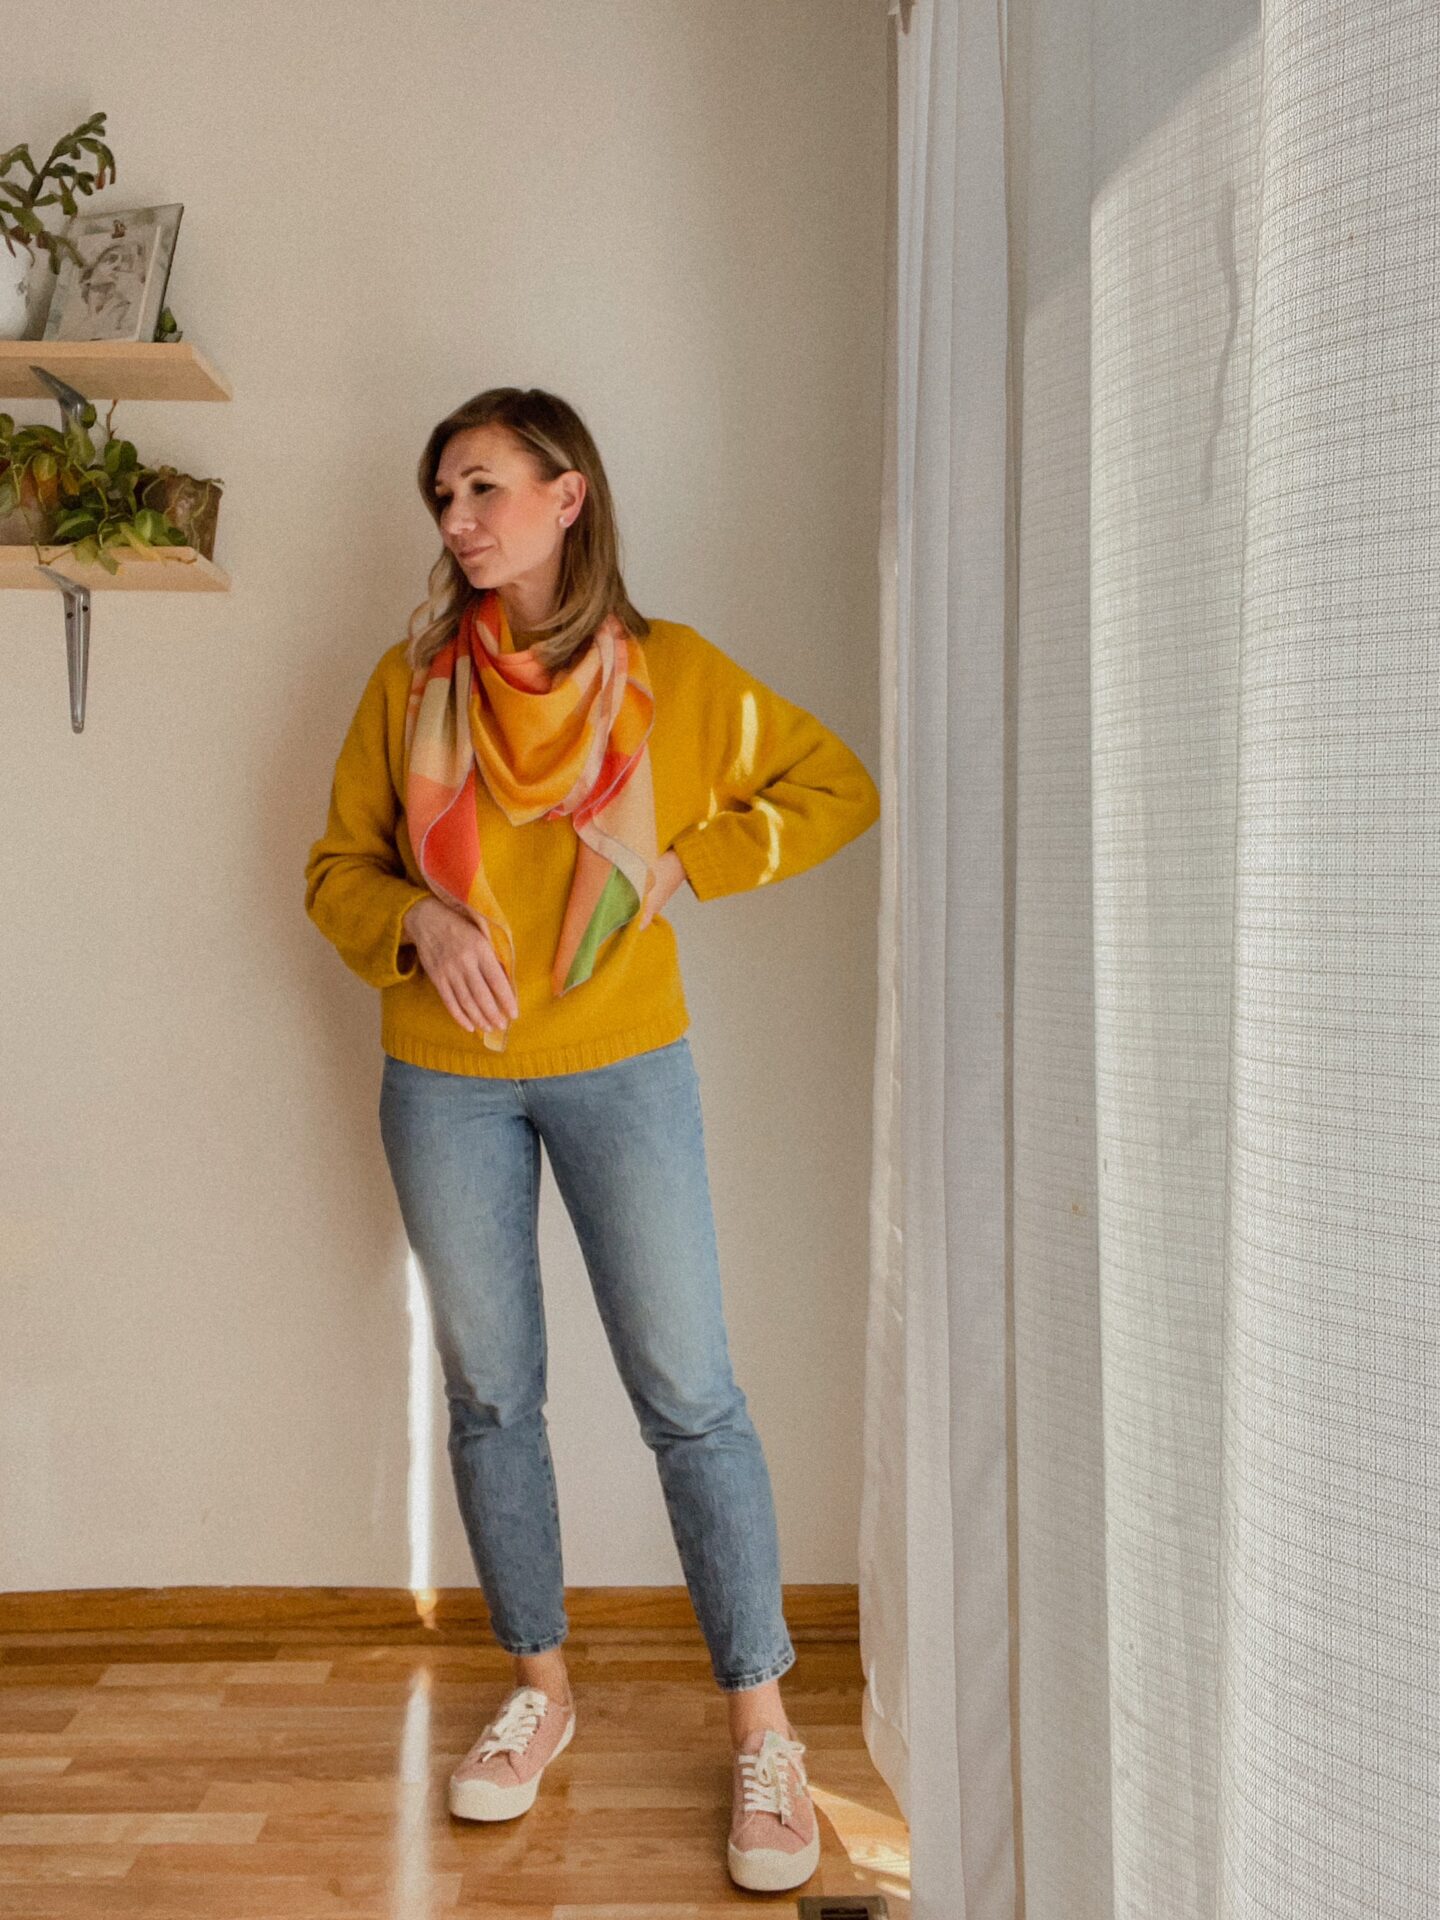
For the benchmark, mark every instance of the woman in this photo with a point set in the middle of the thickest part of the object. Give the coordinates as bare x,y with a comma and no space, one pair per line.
528,778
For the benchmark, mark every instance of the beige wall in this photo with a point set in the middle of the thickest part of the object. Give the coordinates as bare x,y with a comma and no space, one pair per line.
673,215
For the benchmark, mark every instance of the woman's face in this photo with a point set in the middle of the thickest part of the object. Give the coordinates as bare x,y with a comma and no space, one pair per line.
502,524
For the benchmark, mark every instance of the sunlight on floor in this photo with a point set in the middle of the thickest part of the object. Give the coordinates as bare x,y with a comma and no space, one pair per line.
413,1887
878,1842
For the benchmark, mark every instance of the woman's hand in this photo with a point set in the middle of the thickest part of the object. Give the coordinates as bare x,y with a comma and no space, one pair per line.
669,874
458,957
465,968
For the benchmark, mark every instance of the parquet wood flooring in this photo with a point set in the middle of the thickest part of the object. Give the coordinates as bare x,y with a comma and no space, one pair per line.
293,1766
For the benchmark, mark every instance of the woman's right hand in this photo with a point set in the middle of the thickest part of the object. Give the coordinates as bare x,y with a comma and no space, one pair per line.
459,959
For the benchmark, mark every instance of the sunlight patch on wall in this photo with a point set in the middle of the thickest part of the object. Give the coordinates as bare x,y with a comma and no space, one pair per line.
420,1481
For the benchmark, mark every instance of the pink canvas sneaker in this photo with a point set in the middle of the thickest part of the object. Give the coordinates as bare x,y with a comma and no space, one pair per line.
500,1775
774,1834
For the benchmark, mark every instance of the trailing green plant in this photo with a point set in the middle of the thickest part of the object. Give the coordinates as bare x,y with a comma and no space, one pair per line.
90,495
67,178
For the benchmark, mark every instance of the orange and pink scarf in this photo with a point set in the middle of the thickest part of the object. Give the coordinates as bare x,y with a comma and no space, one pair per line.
546,744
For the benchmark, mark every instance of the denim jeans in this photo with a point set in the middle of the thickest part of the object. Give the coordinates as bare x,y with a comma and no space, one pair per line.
626,1146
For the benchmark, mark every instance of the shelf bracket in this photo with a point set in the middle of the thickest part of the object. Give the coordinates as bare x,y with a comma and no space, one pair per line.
77,597
70,400
77,641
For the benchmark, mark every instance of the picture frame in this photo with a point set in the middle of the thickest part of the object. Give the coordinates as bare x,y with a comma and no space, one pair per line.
118,289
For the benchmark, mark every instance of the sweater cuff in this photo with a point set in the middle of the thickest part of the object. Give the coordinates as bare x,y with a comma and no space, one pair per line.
398,941
702,868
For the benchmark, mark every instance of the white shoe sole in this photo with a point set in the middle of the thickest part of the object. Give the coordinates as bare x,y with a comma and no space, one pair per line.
485,1800
767,1870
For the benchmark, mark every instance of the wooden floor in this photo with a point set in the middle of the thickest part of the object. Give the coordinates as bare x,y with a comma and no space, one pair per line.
300,1771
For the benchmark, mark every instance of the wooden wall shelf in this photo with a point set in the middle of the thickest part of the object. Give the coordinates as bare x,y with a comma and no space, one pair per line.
77,372
111,370
164,571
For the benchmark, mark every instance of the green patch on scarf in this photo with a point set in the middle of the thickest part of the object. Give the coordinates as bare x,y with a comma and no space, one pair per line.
617,904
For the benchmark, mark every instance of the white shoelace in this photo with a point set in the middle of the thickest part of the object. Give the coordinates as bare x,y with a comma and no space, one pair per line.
512,1727
766,1774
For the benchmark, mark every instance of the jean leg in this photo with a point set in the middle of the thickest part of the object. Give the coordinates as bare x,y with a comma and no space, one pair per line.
626,1145
465,1161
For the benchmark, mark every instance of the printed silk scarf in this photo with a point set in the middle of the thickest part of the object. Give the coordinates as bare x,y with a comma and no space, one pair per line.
546,744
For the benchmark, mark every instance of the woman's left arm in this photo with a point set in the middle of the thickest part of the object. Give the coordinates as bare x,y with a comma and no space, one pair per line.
787,791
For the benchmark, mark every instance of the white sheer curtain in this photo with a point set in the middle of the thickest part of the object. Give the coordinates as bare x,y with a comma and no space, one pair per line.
1150,1556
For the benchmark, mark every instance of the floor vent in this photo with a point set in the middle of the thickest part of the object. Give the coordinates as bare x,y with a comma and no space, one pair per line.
843,1906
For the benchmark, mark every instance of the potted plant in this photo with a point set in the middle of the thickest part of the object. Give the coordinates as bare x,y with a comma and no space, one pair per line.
187,503
23,231
58,488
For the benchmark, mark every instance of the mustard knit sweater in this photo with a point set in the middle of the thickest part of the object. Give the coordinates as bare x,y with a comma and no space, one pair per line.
749,789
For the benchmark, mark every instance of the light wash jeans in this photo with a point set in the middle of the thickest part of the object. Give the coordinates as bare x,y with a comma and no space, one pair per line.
626,1146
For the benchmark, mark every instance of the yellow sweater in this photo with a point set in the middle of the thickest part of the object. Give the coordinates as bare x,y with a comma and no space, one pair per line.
749,788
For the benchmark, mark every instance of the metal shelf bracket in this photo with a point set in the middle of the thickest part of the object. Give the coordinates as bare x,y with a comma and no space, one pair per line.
77,597
70,400
77,642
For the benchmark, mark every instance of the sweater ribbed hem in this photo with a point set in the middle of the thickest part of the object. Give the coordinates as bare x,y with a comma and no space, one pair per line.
578,1057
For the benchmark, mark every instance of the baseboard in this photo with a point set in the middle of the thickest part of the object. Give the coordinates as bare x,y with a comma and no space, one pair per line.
811,1612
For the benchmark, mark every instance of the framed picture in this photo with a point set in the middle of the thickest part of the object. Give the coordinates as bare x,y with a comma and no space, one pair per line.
118,289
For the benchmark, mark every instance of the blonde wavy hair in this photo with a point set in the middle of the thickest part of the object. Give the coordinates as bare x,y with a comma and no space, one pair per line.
590,584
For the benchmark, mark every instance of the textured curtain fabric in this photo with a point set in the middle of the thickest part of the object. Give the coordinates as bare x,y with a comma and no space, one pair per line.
935,1564
1150,1588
